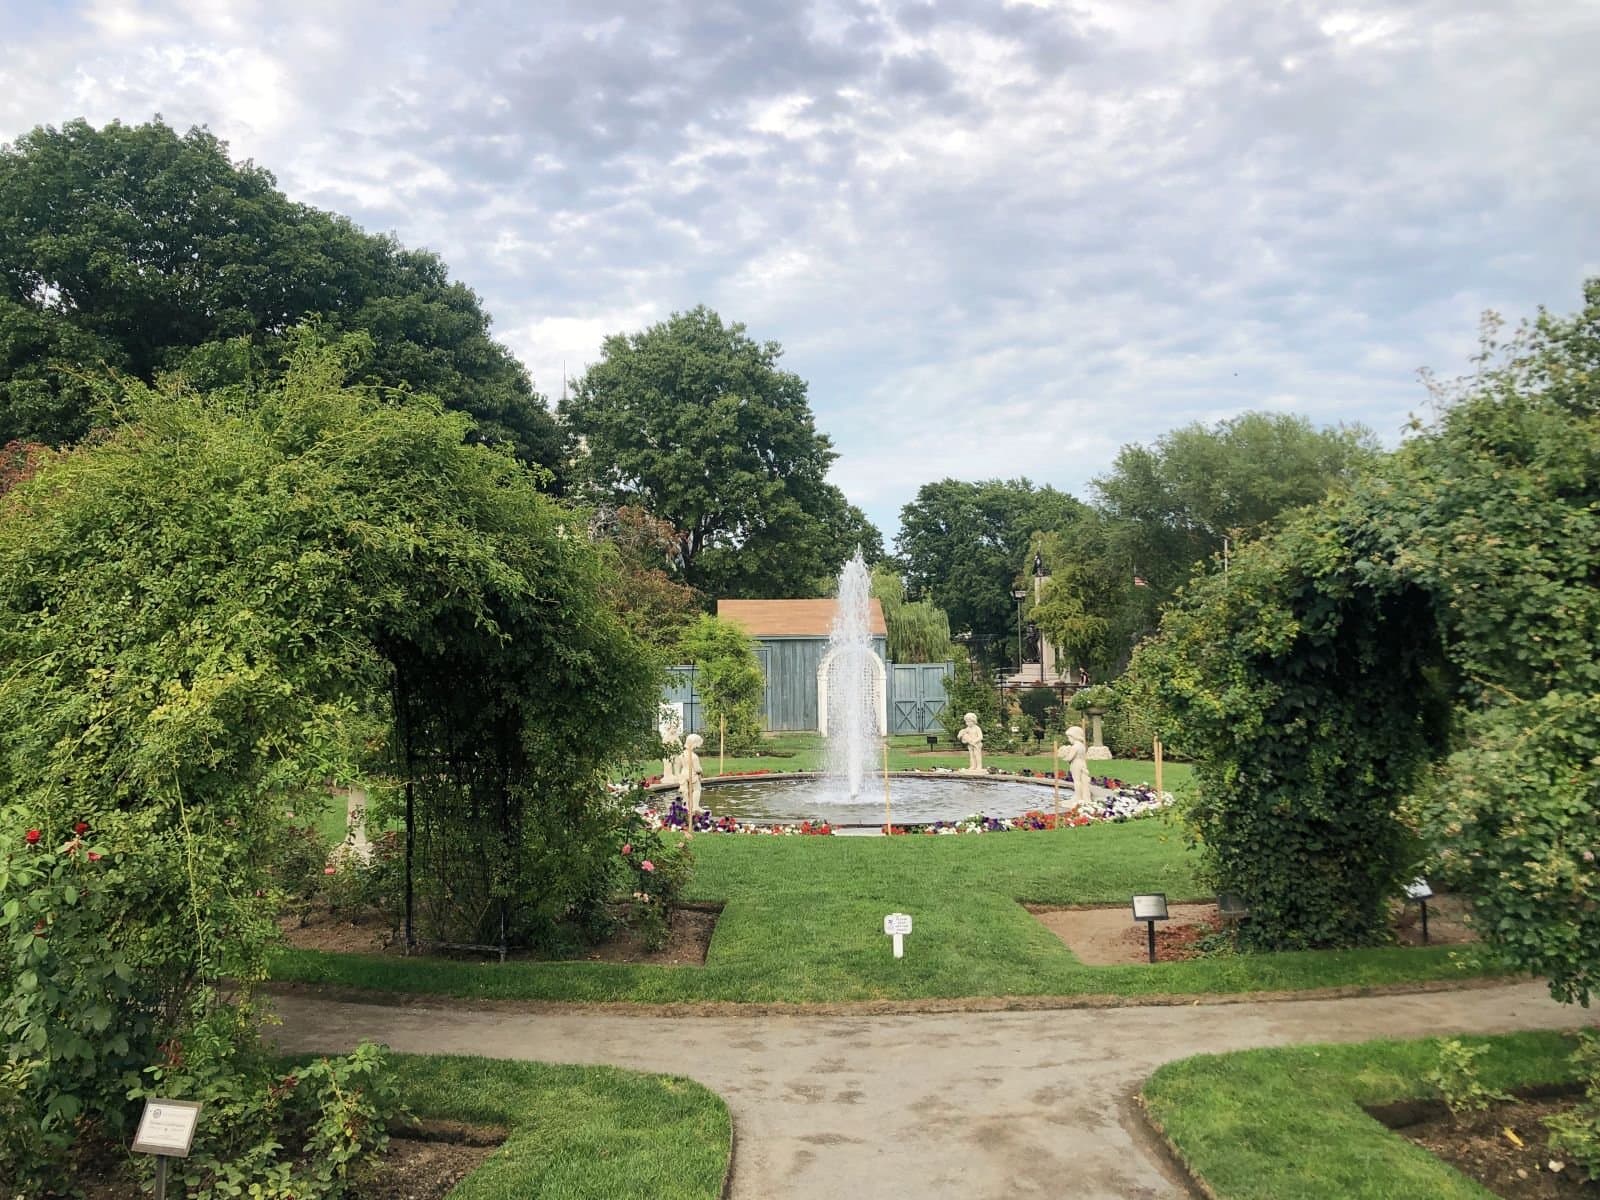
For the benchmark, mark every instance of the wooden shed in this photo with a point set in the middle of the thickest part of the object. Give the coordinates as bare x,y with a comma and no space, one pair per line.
792,643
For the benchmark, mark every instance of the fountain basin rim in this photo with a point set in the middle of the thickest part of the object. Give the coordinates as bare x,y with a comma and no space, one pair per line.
711,781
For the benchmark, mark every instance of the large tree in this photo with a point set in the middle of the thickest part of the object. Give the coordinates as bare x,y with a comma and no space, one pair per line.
693,421
964,543
1169,505
135,249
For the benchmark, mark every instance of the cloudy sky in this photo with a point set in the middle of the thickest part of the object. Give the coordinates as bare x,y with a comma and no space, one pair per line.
997,238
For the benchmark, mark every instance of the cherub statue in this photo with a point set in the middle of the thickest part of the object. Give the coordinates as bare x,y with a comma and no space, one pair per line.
1075,757
689,775
971,737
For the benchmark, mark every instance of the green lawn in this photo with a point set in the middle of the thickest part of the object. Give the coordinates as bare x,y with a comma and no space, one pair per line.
577,1133
804,917
1288,1124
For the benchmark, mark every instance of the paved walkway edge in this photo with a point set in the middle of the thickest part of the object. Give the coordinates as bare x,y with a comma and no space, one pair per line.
1168,1148
869,1008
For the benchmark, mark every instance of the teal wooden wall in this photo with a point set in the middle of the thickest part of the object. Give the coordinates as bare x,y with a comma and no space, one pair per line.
915,692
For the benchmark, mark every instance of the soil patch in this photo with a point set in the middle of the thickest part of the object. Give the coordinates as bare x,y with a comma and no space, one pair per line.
422,1162
688,939
1107,935
1478,1145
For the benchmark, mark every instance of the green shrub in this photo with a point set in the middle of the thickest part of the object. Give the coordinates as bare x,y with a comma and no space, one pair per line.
1577,1133
658,868
967,691
729,679
1456,1078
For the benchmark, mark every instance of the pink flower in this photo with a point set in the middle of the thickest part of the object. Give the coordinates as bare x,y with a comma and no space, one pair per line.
328,870
647,865
628,848
93,857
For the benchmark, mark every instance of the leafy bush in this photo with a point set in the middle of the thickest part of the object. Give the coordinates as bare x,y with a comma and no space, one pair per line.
967,691
296,1135
728,677
1456,1078
1096,695
658,869
1577,1133
1039,705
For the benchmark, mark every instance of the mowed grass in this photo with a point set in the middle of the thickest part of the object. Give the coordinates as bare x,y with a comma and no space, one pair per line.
1288,1124
577,1133
803,922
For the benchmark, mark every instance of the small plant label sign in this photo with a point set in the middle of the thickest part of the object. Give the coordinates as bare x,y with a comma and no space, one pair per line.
897,925
166,1127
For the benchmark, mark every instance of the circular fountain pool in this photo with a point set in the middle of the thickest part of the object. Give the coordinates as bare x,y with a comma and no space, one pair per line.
915,800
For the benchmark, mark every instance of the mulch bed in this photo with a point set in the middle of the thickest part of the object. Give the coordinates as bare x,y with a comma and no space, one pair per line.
423,1162
1107,935
1476,1144
688,939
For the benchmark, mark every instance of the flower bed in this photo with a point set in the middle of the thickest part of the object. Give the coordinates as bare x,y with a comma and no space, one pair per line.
1123,804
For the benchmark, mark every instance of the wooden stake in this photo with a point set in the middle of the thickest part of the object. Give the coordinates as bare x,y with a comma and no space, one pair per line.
722,745
888,816
1055,777
1156,745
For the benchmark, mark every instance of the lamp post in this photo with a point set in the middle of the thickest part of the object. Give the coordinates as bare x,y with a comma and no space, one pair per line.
1017,594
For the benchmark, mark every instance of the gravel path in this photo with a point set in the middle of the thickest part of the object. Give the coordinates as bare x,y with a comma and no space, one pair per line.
965,1105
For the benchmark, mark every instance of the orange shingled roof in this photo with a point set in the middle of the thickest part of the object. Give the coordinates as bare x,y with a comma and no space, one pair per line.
792,618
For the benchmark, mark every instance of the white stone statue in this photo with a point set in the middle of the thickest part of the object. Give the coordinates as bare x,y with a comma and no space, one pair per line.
689,775
971,737
669,725
1074,755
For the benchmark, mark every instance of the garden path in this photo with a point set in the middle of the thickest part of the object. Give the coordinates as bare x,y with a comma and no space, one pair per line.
969,1105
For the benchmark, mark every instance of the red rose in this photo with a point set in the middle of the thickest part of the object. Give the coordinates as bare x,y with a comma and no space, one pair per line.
80,829
628,849
93,857
32,837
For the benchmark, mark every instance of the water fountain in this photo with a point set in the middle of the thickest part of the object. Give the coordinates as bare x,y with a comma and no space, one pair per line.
852,681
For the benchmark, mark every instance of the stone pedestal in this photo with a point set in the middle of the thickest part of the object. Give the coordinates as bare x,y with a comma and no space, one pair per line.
1097,746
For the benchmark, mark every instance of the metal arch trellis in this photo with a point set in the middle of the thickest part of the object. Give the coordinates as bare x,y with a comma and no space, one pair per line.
461,828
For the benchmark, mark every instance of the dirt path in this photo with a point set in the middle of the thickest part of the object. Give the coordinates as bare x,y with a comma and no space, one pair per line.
969,1105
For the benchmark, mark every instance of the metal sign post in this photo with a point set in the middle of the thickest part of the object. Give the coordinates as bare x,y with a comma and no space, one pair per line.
166,1129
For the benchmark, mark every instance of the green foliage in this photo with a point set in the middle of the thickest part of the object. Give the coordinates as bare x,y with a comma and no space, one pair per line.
728,678
919,631
693,421
1096,695
1314,678
263,1134
658,868
211,612
135,249
968,691
963,544
1065,611
643,586
1040,706
1577,1133
1457,1078
1167,507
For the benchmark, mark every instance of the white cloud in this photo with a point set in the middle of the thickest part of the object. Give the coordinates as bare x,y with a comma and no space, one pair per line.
996,239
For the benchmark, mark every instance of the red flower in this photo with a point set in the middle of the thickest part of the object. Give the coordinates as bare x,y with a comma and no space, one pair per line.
93,857
32,837
628,849
80,829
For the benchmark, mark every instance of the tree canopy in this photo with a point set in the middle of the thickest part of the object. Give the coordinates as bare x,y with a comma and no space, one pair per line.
139,250
693,421
964,543
1429,633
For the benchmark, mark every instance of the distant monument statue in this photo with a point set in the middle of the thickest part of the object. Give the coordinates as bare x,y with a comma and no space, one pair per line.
669,725
689,774
971,737
1075,754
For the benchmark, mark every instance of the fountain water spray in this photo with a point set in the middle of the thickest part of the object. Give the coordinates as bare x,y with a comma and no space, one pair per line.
852,682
